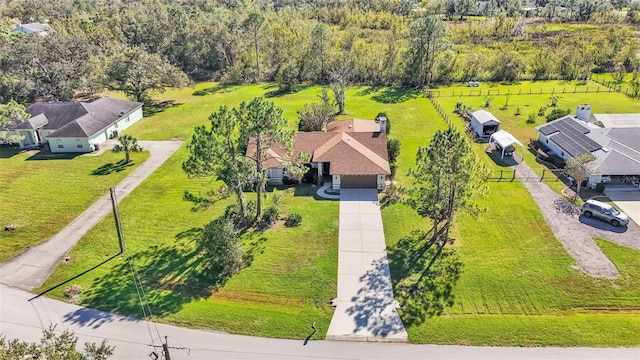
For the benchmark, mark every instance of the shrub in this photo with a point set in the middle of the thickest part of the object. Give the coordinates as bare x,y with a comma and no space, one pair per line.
293,219
392,194
531,119
518,112
276,199
232,213
556,114
73,293
542,110
221,250
600,187
393,149
270,216
394,170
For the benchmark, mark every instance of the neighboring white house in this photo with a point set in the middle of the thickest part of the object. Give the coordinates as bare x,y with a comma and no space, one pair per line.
76,126
353,152
617,149
484,123
33,28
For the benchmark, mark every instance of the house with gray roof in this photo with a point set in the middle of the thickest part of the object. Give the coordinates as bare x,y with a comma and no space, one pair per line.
33,28
76,126
617,149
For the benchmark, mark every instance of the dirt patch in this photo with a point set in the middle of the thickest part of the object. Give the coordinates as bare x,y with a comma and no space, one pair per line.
576,233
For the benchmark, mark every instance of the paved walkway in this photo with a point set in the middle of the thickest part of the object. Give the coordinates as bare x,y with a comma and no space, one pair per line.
628,200
24,319
322,192
31,268
575,232
365,307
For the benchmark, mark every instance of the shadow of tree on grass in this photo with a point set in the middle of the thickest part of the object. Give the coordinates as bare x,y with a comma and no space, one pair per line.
158,107
424,274
212,90
111,168
392,95
170,276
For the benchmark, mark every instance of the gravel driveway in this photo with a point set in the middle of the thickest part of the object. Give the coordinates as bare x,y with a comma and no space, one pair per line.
575,232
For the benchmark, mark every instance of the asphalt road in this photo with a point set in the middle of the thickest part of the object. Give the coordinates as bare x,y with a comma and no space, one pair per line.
22,316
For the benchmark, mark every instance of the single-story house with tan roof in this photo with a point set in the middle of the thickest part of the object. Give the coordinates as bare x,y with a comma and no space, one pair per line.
352,152
70,126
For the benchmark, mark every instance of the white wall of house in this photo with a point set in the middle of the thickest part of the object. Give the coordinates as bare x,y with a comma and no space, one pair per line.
594,179
275,176
557,150
28,138
335,182
68,145
381,181
479,128
114,130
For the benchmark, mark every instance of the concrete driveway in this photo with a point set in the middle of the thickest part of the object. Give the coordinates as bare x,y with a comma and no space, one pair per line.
365,307
628,200
31,268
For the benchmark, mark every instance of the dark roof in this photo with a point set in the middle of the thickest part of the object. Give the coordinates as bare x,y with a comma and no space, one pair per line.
33,123
569,134
77,119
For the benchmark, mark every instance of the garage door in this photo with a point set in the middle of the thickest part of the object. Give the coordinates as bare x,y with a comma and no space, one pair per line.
348,181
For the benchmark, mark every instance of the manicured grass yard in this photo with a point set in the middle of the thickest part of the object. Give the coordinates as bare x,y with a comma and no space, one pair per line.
516,288
42,196
293,274
287,286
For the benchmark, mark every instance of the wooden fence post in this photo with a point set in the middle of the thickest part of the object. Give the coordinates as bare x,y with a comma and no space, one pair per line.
514,175
500,175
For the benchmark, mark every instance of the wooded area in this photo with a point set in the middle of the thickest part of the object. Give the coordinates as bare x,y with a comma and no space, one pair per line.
140,47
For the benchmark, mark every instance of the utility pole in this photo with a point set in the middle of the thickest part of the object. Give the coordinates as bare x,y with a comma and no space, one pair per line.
116,217
165,349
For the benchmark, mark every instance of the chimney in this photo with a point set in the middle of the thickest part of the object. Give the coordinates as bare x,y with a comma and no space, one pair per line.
383,123
583,112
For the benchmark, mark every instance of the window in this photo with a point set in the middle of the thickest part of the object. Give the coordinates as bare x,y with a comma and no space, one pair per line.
546,141
59,142
79,143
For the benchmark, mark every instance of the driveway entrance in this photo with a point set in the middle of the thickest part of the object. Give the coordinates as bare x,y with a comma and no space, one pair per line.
628,200
365,308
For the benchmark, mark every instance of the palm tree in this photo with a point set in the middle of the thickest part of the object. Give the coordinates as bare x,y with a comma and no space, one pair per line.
128,144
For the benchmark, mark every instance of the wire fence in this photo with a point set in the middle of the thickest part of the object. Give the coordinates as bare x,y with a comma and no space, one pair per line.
614,85
534,174
523,91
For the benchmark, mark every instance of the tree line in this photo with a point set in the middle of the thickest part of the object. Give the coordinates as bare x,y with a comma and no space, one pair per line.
140,47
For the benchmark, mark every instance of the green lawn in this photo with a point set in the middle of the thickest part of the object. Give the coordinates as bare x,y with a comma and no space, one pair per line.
293,272
41,196
286,286
516,287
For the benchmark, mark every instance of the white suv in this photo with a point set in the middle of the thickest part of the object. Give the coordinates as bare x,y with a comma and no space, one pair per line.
605,212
